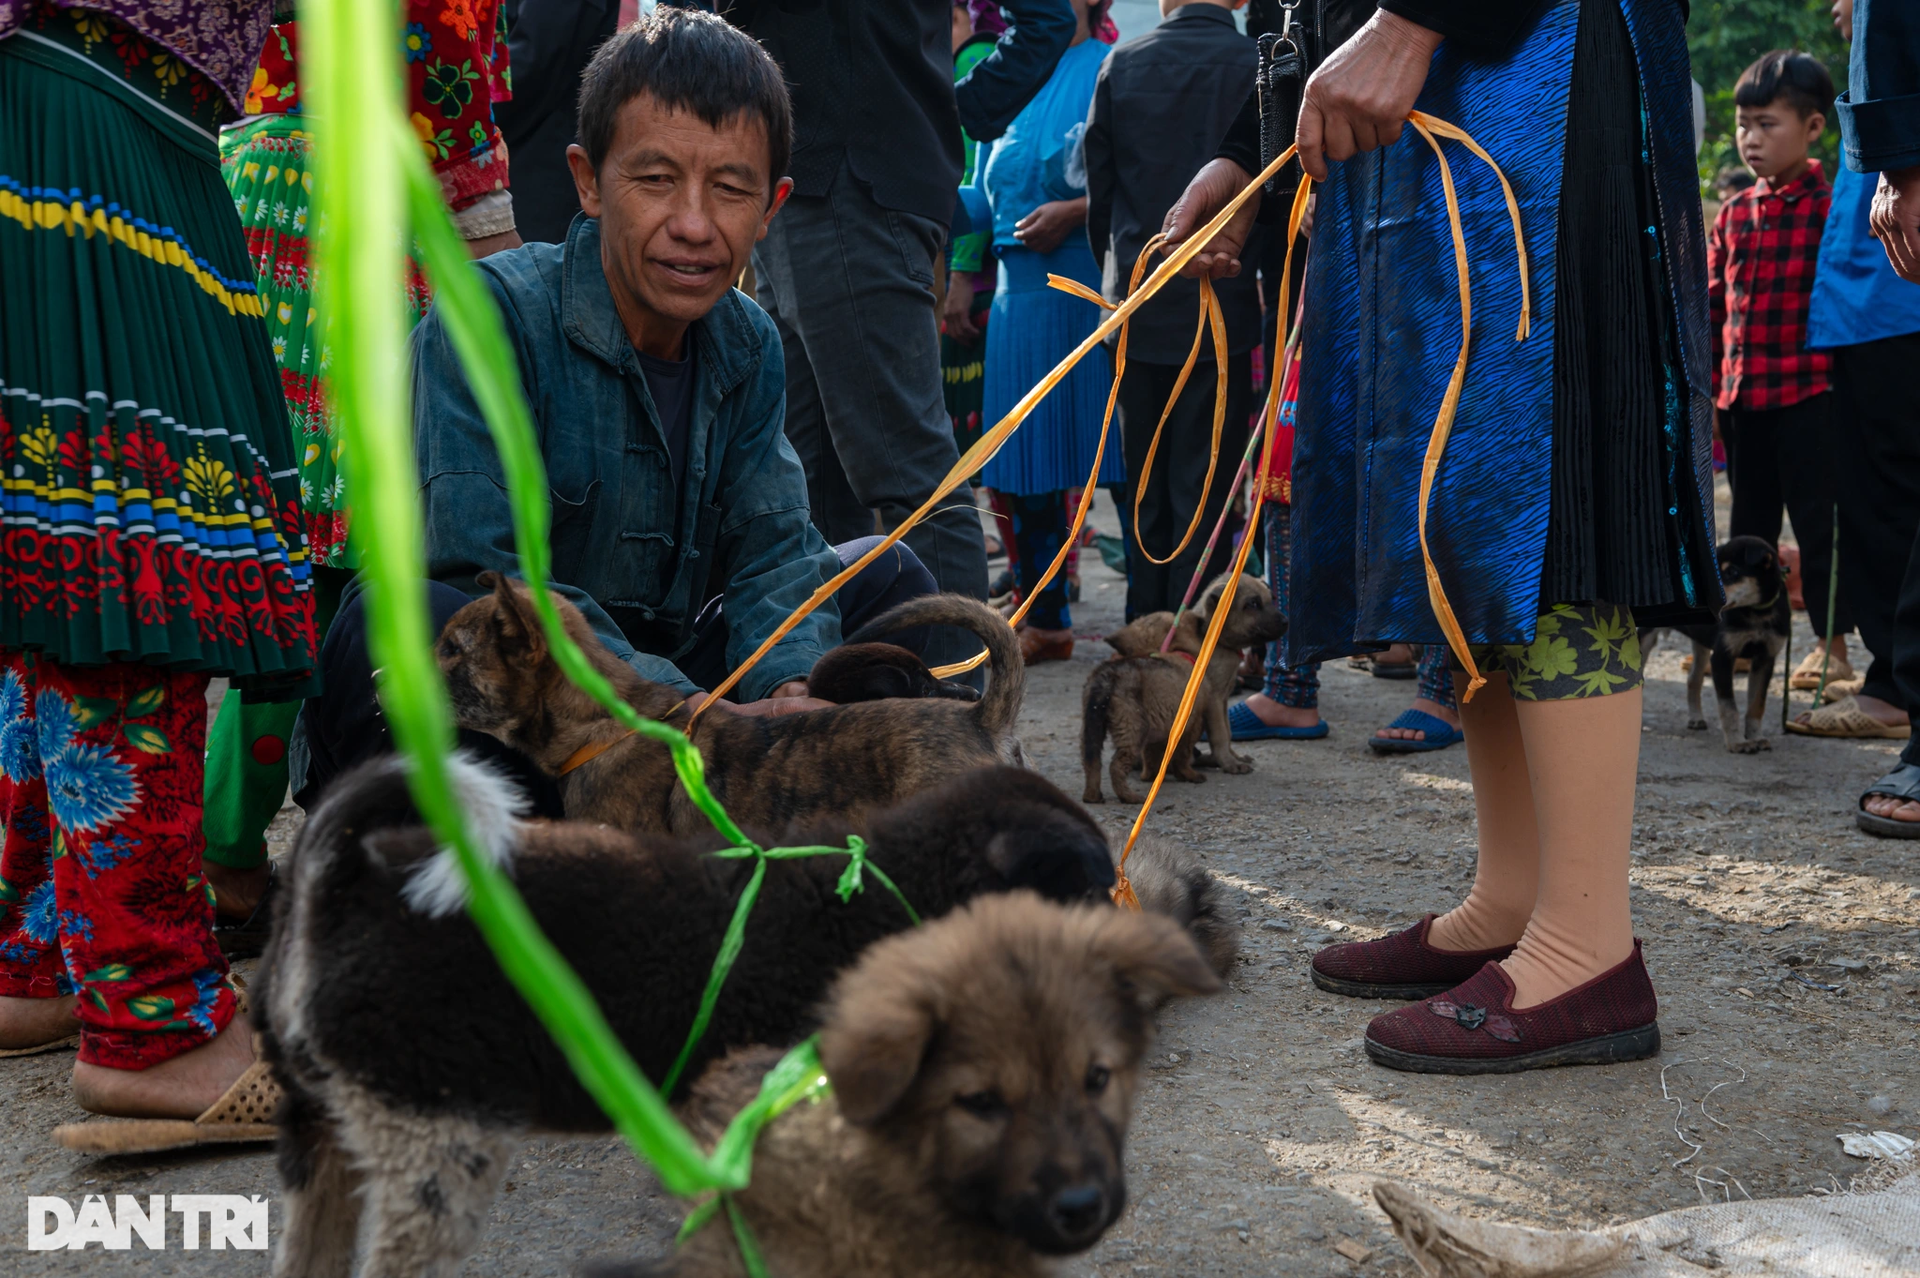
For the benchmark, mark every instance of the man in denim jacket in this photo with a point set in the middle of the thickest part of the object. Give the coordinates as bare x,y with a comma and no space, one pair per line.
680,524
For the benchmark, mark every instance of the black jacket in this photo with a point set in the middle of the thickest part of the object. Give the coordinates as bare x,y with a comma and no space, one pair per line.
873,88
549,43
1160,106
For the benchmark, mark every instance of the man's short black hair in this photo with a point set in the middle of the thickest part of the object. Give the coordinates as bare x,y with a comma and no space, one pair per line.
689,61
1789,74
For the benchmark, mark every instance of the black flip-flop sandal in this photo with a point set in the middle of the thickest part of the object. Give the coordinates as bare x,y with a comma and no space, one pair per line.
1396,669
244,938
1901,783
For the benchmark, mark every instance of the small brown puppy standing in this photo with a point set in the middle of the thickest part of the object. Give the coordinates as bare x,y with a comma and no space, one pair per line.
1135,698
983,1071
842,761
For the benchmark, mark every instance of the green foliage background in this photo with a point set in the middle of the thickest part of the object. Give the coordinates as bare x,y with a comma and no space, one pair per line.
1725,36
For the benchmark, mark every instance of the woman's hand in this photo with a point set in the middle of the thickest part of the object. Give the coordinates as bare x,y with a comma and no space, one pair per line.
1209,192
1360,97
1047,227
958,312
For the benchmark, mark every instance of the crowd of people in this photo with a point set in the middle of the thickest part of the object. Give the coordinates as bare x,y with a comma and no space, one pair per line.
897,188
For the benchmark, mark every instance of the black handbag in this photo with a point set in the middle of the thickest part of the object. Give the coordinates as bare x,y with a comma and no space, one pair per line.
1287,57
1295,37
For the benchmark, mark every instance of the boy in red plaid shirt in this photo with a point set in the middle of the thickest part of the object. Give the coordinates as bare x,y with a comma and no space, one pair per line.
1770,389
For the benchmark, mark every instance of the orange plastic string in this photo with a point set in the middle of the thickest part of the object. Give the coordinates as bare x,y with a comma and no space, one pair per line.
997,435
1123,893
1450,402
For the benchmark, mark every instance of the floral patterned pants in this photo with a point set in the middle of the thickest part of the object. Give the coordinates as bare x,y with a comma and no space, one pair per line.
101,890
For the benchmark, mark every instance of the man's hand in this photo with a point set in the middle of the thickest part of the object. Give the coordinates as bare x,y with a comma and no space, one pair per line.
1047,227
958,312
789,698
1210,191
1895,220
1360,97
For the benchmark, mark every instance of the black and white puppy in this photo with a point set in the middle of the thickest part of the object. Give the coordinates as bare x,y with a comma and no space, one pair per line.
1754,624
412,1066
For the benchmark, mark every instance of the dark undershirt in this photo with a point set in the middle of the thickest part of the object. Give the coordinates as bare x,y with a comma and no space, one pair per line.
670,382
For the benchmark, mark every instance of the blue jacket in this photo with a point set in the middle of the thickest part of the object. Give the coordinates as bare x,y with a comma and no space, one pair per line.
638,559
1383,330
1856,295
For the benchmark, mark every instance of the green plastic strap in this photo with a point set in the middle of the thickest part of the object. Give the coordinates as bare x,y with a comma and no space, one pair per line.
735,937
372,185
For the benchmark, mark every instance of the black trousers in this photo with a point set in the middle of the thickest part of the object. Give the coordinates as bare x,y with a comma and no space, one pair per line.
343,726
1783,458
1876,418
1179,472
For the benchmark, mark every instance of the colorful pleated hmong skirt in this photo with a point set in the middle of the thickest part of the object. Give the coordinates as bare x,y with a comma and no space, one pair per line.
266,165
151,504
1032,328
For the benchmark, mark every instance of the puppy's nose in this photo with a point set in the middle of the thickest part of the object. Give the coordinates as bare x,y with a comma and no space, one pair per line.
1078,1210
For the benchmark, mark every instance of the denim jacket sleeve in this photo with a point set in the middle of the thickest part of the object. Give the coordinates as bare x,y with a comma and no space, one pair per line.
464,489
775,558
1880,111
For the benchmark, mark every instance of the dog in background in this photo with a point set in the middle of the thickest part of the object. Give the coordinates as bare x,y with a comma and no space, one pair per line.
1753,625
1135,698
412,1067
876,671
840,762
983,1072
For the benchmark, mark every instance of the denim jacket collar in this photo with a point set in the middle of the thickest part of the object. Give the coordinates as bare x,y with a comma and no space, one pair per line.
724,336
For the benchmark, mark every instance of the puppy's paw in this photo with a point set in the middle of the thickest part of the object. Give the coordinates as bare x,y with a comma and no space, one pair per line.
1093,796
1697,725
1754,746
1236,767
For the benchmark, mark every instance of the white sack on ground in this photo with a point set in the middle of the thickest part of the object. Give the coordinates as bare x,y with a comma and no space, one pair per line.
1873,1235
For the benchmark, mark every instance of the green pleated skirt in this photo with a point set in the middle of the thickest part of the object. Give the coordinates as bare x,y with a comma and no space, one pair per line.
151,506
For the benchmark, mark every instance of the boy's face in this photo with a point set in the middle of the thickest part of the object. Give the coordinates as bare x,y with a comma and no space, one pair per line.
1774,139
681,204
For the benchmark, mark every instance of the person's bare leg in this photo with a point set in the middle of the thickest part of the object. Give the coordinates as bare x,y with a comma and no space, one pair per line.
1275,715
236,893
34,1022
180,1087
1583,757
1505,876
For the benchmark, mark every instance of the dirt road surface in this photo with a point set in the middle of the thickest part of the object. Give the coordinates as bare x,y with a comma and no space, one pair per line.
1783,943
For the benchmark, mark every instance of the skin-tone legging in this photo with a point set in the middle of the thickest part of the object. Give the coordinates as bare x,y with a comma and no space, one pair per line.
1553,786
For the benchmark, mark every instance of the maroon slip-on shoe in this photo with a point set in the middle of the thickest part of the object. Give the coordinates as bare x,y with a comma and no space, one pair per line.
1400,966
1474,1030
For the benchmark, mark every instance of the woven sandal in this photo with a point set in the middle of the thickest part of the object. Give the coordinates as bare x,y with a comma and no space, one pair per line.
244,1113
1806,676
57,1045
1845,718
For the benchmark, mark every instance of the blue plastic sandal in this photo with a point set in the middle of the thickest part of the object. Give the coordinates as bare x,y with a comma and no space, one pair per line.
1440,734
1246,726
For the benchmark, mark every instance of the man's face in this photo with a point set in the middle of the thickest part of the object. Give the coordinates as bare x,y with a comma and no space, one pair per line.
680,204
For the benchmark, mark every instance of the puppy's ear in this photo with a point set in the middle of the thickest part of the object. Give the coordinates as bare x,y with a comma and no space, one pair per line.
876,1035
877,683
1155,956
515,622
1061,864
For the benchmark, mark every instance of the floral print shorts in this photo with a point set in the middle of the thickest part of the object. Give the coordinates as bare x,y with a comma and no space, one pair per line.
1579,650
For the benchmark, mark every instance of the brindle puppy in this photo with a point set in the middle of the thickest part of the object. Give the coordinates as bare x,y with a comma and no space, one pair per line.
1136,698
877,671
842,761
983,1070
